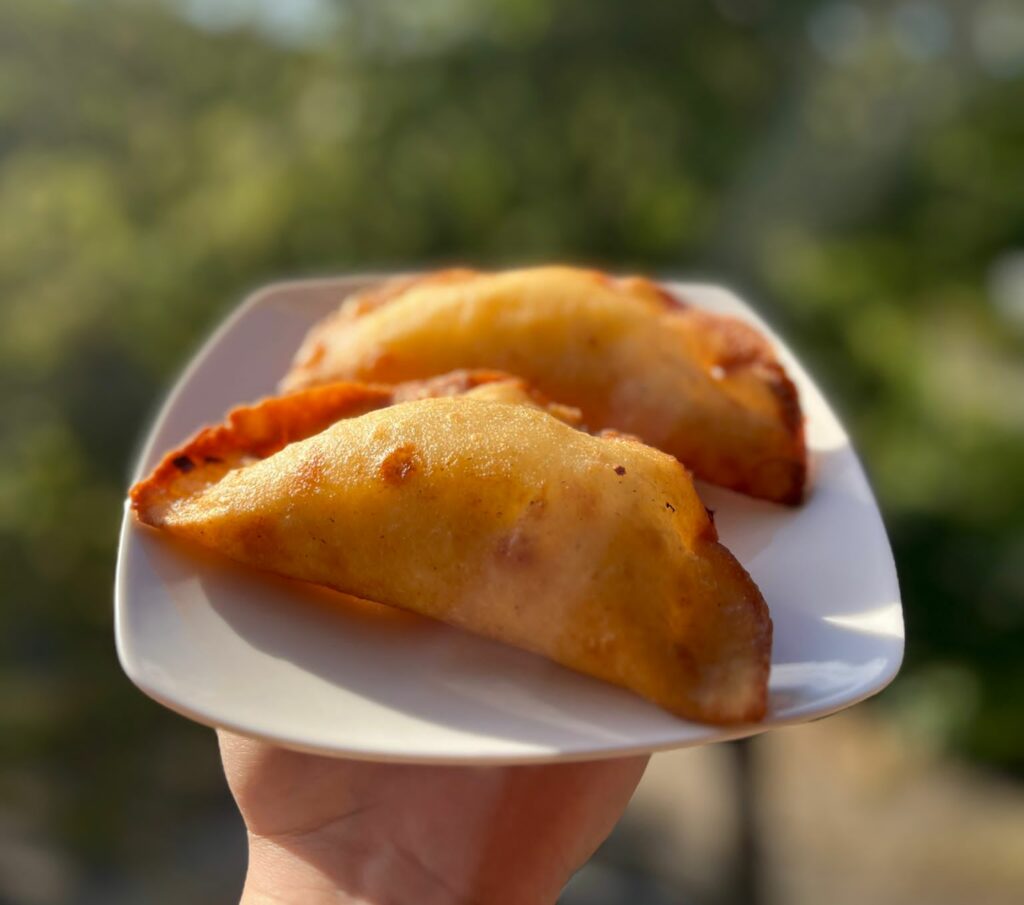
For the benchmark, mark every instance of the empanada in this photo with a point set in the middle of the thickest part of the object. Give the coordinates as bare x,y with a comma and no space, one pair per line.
631,357
493,516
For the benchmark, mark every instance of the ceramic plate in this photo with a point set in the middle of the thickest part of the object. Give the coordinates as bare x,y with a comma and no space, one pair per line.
280,660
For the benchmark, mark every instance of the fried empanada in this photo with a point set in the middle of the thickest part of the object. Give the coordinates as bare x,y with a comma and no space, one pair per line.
492,516
630,356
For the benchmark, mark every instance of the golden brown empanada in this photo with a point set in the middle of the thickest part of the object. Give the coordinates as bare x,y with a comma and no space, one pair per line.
631,357
492,516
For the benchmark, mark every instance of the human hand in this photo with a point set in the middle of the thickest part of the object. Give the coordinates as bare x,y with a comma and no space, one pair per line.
323,830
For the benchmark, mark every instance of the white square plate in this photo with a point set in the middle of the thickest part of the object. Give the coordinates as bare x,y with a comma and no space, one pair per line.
302,667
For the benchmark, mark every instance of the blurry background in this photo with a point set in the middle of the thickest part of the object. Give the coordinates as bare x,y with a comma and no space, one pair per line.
856,168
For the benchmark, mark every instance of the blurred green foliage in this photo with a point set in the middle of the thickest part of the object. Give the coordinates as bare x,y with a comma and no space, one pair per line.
855,168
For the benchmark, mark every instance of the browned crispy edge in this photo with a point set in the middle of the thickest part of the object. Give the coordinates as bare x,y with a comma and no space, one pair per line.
761,646
735,346
265,427
792,418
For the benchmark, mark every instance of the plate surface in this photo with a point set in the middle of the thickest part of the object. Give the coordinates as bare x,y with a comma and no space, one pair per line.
310,670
